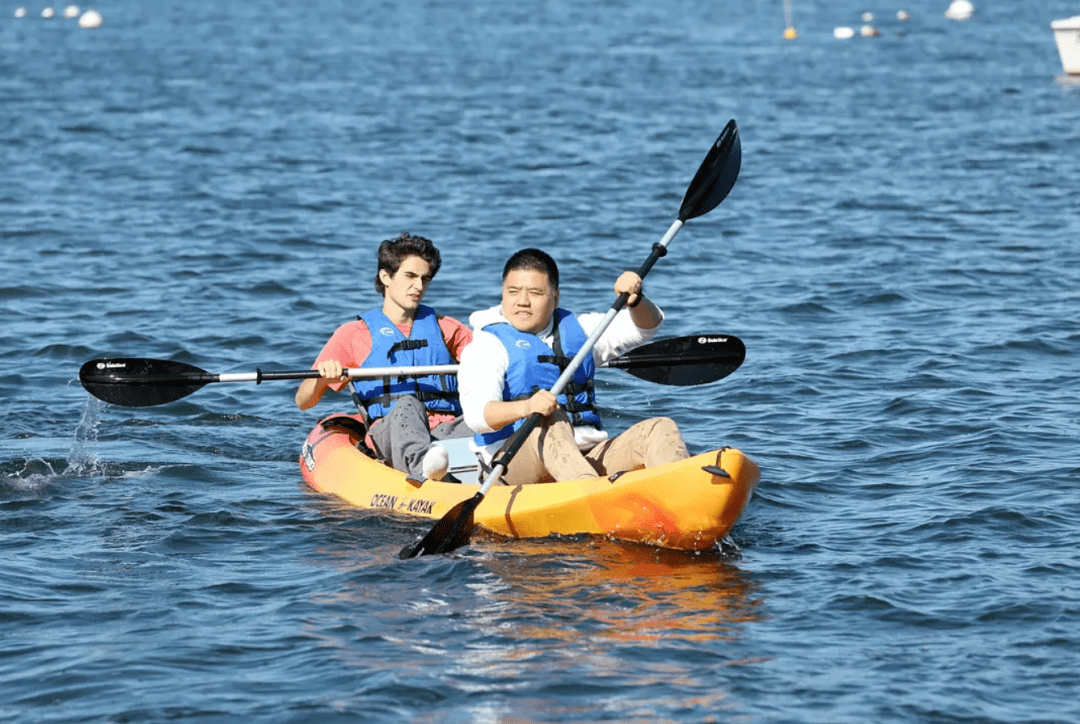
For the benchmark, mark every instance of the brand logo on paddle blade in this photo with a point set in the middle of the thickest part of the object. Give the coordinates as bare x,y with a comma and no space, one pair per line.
711,340
111,365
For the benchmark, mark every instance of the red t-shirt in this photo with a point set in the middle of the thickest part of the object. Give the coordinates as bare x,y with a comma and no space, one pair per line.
351,344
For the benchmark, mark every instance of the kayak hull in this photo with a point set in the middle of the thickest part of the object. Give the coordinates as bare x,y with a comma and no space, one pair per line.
688,505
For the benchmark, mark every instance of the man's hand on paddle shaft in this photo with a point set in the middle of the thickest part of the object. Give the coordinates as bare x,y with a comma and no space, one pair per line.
629,283
645,314
331,369
543,402
498,414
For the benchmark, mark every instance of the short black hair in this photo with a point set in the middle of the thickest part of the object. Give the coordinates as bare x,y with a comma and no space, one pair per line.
393,252
533,260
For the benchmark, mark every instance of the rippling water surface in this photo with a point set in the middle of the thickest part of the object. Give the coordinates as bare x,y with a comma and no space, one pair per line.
207,182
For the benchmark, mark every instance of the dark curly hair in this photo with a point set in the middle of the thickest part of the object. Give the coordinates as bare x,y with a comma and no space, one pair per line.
393,252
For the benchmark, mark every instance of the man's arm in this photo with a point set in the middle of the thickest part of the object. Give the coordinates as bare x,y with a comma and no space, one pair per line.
499,414
348,346
631,327
481,376
311,390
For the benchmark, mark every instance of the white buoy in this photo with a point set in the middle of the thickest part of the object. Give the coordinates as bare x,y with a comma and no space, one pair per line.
48,13
843,32
960,10
90,19
71,11
903,15
869,31
20,12
868,17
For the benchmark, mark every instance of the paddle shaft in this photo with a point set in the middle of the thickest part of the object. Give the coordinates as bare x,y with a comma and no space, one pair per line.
352,373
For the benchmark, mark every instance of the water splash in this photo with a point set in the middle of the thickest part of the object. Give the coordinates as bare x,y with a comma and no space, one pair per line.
80,460
33,473
28,474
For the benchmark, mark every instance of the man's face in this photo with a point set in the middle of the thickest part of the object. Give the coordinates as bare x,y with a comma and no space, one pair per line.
528,300
407,287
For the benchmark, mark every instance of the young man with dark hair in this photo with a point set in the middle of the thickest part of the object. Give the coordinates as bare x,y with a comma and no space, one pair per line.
520,349
406,413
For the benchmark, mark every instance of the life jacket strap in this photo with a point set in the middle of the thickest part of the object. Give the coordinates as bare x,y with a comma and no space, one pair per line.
560,361
387,397
407,344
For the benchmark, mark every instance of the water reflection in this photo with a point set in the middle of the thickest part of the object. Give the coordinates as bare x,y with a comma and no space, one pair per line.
573,628
610,591
600,629
535,591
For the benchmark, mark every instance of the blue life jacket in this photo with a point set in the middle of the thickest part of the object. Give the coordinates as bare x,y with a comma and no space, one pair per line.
535,366
390,348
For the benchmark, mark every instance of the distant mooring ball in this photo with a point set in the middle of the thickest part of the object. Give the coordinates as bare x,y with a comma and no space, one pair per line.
790,33
90,19
960,10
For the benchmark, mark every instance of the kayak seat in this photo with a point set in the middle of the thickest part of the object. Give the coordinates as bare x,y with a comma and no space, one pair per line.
354,427
464,465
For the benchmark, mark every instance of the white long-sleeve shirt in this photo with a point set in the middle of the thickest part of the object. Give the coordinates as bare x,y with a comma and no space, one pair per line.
483,365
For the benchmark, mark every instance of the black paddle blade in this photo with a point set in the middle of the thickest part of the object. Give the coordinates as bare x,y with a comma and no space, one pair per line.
716,176
685,361
452,531
134,382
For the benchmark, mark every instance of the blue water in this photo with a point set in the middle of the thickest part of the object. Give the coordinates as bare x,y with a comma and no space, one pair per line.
207,182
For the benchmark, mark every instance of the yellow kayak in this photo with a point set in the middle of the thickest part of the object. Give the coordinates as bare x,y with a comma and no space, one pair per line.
688,505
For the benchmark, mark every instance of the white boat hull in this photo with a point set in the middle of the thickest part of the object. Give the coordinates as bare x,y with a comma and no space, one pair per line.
1067,36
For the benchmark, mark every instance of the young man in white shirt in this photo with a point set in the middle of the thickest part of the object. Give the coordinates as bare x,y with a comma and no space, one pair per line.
519,350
